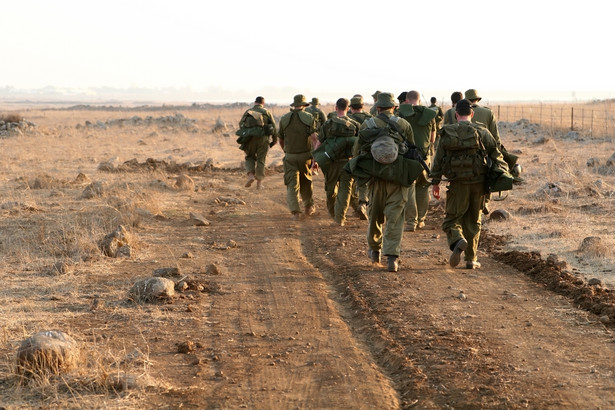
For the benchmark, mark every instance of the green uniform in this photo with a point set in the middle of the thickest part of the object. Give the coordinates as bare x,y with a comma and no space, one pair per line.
487,117
387,200
423,122
318,114
295,130
439,115
258,145
338,132
449,117
359,194
464,166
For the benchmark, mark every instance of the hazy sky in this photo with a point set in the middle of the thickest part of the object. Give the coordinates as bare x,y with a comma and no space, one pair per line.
237,49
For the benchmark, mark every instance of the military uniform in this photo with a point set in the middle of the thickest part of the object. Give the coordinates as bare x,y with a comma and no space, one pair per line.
338,135
465,170
258,145
423,122
318,114
296,127
387,199
439,114
359,198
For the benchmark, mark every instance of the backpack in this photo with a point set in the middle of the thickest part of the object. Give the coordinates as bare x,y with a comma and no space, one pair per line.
253,119
384,143
465,155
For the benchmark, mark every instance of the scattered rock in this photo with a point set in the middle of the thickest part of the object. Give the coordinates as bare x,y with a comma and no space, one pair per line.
592,162
231,244
611,161
213,269
81,178
186,347
187,255
122,382
116,243
61,268
605,319
199,220
226,200
152,289
167,272
500,215
594,282
593,245
184,183
95,189
46,352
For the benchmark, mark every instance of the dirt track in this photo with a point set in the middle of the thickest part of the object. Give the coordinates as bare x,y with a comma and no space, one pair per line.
281,314
299,318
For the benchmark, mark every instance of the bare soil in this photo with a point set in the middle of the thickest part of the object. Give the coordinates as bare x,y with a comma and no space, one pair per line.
291,314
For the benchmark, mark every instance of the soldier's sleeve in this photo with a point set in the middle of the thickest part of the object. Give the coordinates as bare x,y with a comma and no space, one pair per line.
243,119
410,134
436,166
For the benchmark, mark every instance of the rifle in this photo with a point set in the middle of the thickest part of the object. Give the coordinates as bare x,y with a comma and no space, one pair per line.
413,152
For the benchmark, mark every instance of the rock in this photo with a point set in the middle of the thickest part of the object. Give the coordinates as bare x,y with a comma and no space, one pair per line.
594,282
116,243
605,319
47,352
500,215
592,162
152,289
199,220
611,161
167,272
184,183
95,189
594,246
81,178
231,244
122,382
213,269
226,200
186,347
187,255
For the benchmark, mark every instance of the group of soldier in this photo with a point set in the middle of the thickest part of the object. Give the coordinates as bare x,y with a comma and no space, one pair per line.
393,195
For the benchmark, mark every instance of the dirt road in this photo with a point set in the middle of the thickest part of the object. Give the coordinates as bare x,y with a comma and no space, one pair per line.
295,316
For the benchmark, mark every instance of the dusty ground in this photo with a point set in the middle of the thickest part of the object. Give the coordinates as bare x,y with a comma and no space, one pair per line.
278,314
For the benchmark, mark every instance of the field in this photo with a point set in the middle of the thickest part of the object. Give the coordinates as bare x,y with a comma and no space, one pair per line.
272,313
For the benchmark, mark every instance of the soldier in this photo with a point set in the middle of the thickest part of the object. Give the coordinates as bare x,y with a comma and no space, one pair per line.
259,121
438,109
337,136
449,115
461,158
318,114
297,135
387,198
374,111
359,198
487,117
422,120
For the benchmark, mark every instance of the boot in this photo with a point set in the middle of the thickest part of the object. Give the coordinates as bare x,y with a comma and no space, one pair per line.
250,180
393,263
374,256
460,246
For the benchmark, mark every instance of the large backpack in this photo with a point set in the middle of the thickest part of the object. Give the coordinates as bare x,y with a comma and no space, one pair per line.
384,143
464,152
254,119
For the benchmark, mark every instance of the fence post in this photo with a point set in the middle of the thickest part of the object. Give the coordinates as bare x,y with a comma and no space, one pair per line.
571,118
591,127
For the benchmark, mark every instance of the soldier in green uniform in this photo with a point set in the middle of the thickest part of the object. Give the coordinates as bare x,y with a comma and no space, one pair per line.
297,135
387,198
423,122
315,110
374,111
449,115
434,106
486,116
359,198
337,137
461,157
258,145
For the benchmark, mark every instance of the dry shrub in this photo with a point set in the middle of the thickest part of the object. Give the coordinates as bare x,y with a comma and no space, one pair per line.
11,117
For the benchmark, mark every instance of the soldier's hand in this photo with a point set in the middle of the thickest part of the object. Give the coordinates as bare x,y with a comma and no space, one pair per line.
436,191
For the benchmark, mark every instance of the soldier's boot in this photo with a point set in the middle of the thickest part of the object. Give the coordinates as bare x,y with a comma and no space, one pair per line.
251,179
373,255
393,263
362,211
259,184
460,246
472,265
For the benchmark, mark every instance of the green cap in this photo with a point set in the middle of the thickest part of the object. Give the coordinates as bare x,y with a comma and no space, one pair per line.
375,95
386,100
472,94
299,101
315,101
356,101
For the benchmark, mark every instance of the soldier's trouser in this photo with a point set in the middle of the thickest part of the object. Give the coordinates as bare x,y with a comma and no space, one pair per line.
418,202
464,203
298,180
387,202
344,191
256,154
332,176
